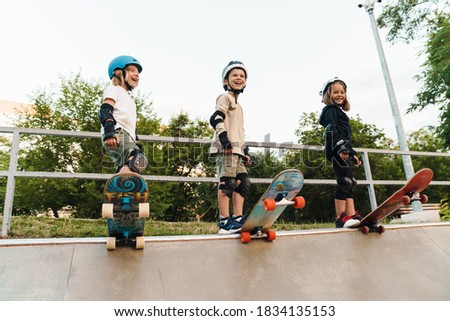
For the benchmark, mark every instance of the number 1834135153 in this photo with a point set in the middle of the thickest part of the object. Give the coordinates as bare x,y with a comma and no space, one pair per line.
296,311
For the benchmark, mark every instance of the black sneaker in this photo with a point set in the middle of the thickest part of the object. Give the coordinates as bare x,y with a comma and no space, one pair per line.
229,226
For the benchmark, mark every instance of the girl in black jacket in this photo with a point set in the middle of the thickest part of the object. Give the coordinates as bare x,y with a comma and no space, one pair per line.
338,149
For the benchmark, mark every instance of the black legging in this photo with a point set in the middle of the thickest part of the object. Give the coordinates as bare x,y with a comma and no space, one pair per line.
344,174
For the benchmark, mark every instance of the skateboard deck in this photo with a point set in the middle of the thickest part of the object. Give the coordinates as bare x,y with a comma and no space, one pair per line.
405,195
125,208
281,193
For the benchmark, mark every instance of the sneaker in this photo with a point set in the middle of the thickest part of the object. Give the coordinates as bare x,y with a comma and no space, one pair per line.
229,226
346,221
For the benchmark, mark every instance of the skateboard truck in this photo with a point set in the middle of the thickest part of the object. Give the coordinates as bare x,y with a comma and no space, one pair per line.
271,204
258,233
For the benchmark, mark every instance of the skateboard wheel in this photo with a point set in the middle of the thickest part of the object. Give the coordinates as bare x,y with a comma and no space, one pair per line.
245,237
140,242
380,229
365,229
406,199
111,243
271,235
299,202
269,204
144,210
423,198
107,210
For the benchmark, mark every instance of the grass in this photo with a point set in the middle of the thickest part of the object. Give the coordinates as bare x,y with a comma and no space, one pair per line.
29,227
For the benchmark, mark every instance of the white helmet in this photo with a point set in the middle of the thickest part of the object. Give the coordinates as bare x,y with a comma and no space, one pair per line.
329,83
232,65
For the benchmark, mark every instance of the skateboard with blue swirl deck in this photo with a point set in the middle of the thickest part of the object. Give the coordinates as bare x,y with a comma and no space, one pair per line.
280,194
125,208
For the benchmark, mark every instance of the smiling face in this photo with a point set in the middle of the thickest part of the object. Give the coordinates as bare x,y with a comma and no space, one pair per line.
338,94
236,79
132,76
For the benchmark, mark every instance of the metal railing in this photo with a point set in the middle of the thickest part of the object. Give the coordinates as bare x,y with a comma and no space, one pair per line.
12,173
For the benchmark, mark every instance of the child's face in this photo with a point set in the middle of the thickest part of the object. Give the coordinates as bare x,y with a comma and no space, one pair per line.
338,94
132,76
236,79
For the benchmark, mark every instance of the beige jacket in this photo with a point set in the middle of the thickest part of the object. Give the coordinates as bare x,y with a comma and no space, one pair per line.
233,124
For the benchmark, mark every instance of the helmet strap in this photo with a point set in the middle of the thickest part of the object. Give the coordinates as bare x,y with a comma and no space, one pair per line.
235,92
125,80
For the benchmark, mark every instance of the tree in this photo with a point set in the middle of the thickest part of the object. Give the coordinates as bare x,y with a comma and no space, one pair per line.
425,139
436,77
182,201
408,20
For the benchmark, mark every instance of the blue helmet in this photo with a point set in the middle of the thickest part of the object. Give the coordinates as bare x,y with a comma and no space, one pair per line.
121,62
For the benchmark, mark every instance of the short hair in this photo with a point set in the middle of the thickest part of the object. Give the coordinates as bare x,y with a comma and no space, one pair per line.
327,95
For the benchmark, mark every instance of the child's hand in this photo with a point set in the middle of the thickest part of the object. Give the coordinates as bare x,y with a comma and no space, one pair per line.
112,142
344,156
248,160
357,161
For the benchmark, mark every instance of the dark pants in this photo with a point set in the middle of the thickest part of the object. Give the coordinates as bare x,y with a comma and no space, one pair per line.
344,174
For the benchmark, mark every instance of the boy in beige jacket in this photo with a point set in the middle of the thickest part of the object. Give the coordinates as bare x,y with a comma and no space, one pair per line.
229,148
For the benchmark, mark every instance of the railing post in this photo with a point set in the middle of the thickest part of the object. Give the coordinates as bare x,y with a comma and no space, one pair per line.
11,183
370,186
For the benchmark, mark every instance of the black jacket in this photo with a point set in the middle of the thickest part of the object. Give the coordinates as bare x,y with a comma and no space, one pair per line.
337,128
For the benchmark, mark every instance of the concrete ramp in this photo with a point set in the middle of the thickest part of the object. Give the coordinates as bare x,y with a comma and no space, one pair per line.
405,263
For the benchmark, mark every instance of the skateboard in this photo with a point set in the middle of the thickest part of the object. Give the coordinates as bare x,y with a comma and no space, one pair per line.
280,194
405,195
125,208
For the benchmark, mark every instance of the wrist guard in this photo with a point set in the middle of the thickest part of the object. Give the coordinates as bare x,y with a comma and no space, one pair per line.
224,141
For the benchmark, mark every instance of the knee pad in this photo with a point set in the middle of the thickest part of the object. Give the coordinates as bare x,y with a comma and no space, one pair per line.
137,161
350,193
244,185
354,182
345,187
345,184
227,185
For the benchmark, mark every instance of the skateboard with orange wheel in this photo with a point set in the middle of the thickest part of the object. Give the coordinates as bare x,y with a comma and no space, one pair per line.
405,195
281,193
125,208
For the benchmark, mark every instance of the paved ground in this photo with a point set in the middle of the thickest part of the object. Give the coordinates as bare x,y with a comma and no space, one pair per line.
405,263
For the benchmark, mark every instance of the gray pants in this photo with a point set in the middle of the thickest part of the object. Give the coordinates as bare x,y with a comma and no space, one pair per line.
121,154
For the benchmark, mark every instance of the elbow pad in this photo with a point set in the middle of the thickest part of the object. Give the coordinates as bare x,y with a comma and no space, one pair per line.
216,118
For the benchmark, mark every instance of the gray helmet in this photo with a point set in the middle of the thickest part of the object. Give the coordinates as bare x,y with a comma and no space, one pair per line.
232,65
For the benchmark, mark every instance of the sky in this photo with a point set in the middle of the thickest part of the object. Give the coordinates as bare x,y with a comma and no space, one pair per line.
290,48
